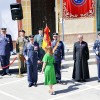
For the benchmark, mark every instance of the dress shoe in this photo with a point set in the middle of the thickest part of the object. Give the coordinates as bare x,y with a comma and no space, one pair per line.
59,81
23,72
30,85
8,74
83,80
35,84
39,70
98,80
78,80
3,74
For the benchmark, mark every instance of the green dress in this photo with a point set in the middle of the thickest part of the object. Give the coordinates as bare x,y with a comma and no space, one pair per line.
49,71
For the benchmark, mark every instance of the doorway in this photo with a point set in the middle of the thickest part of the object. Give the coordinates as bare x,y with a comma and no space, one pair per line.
43,11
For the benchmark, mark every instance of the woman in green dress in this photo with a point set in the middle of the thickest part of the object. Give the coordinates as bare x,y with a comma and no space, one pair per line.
48,68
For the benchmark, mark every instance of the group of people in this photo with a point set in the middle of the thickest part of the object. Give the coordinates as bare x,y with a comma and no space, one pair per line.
33,58
36,57
51,61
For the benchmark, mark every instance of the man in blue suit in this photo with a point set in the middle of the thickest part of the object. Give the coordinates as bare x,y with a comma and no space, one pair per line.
6,46
32,56
96,49
58,50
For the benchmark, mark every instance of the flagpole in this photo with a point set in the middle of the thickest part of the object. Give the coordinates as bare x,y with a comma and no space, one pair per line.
96,18
62,21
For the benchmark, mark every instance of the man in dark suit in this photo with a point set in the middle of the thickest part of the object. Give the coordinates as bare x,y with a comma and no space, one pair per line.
6,46
80,57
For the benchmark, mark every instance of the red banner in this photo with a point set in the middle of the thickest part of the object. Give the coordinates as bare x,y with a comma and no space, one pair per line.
78,8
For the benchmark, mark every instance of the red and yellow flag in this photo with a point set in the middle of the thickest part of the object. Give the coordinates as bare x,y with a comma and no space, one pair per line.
46,40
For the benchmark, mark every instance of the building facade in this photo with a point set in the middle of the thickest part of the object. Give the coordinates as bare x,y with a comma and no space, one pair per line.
39,12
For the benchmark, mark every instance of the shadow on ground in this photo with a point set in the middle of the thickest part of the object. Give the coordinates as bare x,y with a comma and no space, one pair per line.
69,89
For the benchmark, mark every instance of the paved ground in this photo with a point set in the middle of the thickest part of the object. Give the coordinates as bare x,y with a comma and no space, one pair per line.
13,88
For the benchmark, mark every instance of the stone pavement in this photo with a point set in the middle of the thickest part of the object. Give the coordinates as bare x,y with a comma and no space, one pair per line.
13,88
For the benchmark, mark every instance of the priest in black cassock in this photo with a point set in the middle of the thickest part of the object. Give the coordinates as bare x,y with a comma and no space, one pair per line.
80,57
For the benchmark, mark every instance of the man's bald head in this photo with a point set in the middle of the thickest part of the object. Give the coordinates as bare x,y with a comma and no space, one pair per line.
80,38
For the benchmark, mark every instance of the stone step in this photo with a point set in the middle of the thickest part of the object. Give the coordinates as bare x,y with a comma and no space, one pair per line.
70,57
71,63
70,51
65,63
68,62
67,57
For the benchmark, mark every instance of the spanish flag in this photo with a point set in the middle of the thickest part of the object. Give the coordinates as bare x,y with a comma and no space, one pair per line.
46,40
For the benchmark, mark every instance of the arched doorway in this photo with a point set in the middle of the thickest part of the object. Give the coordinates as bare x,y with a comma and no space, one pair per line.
42,10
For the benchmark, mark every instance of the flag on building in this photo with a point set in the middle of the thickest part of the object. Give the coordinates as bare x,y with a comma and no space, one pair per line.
46,40
78,8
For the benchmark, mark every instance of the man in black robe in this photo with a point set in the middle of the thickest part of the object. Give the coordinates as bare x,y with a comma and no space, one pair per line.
80,57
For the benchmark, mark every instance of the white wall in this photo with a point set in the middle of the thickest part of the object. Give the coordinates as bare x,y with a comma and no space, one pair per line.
6,19
85,25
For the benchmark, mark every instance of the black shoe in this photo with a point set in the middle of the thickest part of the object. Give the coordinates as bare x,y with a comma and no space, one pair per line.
83,80
30,85
35,84
39,70
59,81
3,74
98,80
23,72
78,80
8,74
